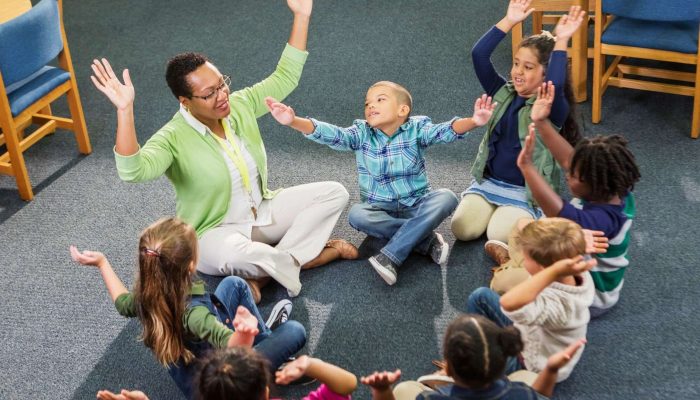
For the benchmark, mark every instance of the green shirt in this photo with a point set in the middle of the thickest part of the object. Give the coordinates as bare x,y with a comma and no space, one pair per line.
193,162
198,321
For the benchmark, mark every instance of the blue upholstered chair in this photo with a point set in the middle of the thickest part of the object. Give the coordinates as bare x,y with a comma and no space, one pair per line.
647,29
28,86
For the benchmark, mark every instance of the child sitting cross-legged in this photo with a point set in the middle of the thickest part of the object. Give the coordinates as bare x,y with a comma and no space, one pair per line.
398,204
550,308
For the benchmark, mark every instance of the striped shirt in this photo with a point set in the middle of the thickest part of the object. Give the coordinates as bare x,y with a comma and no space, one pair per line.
615,221
390,168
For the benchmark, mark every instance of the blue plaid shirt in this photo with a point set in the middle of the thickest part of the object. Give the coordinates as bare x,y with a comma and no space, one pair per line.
390,167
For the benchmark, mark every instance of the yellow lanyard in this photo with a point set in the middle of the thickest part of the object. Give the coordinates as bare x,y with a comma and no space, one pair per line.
235,155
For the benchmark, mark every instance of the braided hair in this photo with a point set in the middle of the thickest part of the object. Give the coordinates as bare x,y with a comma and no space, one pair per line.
476,350
606,165
542,45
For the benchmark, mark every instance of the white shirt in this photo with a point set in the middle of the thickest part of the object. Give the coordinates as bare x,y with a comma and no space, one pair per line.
555,319
239,212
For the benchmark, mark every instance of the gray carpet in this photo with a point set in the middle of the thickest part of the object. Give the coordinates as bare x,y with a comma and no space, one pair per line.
62,337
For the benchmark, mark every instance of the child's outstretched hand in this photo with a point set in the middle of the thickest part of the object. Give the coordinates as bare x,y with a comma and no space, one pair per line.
525,156
573,266
280,112
543,105
246,327
518,10
381,380
557,361
569,23
483,108
87,257
293,370
123,395
596,242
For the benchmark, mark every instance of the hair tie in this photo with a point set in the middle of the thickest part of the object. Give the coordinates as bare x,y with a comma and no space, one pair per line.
225,369
486,345
151,252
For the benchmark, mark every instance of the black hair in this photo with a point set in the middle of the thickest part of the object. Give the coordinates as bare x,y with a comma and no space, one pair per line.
177,70
234,373
476,349
606,165
543,44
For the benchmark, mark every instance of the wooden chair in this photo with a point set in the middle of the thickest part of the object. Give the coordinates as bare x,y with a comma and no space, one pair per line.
548,12
661,31
30,38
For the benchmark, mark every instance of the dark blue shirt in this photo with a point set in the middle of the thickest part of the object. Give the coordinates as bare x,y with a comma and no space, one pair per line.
504,142
608,218
502,389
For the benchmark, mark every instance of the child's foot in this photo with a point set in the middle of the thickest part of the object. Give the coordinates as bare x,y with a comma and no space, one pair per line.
498,251
347,250
384,267
439,249
279,315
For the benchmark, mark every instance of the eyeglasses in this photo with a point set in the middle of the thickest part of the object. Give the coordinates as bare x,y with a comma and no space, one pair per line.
223,87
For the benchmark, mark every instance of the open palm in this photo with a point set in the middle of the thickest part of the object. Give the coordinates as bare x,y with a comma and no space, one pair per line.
518,10
569,23
120,94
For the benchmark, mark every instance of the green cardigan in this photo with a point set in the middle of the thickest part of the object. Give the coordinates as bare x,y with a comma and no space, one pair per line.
542,159
193,162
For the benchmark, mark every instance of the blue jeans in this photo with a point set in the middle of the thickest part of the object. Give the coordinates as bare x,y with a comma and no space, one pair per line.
485,302
406,228
278,345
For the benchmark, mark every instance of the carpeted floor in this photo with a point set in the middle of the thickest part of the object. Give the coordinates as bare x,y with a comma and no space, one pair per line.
62,337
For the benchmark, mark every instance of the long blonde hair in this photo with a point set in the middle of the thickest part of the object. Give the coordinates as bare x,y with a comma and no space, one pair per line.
167,249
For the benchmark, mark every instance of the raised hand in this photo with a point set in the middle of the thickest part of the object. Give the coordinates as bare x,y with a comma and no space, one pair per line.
596,242
543,105
280,112
518,11
573,266
87,257
245,323
557,361
301,7
123,395
483,108
381,380
120,94
525,156
569,23
293,370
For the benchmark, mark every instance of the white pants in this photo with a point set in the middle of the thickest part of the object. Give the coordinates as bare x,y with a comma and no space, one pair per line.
303,218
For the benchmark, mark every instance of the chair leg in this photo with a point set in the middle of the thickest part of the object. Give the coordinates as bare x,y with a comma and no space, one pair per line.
76,112
19,169
695,126
516,35
598,64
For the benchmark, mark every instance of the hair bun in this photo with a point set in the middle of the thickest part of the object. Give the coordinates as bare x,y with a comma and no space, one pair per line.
510,341
548,35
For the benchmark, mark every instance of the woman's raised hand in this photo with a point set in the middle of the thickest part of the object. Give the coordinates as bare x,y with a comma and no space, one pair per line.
120,94
569,23
518,11
301,7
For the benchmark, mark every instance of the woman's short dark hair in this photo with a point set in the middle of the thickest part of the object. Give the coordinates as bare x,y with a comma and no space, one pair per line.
178,68
234,373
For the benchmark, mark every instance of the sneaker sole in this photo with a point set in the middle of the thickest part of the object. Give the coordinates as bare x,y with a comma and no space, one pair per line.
384,273
275,312
445,250
498,243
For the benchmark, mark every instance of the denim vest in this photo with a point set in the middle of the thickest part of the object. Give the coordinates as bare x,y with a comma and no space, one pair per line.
542,159
182,373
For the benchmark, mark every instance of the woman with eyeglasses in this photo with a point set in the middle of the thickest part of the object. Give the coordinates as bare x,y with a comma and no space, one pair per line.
213,154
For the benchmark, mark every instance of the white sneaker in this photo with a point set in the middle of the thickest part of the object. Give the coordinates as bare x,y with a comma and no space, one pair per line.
439,250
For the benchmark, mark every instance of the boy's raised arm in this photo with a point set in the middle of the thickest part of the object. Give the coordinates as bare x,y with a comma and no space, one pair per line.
483,109
544,195
560,148
285,115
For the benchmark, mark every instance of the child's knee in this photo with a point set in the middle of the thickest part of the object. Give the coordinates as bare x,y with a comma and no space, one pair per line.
479,297
358,217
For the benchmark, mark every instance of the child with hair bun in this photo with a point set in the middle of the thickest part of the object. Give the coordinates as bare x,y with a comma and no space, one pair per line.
477,354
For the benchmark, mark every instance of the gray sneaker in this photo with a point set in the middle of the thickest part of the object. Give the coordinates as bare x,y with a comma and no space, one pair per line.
439,249
279,315
384,267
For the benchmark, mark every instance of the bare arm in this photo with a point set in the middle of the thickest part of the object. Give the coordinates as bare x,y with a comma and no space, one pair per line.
526,292
300,26
544,195
547,379
557,145
337,379
115,287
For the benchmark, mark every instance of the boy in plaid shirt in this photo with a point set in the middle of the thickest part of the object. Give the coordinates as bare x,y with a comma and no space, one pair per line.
397,202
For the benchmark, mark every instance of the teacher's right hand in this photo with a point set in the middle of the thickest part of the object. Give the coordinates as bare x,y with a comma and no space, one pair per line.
120,94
